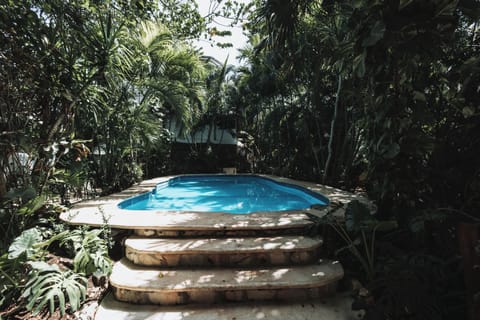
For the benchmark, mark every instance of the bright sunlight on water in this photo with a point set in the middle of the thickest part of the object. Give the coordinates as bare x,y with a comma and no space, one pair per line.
224,193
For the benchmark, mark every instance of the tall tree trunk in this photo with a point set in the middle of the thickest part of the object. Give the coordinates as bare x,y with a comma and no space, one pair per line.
332,131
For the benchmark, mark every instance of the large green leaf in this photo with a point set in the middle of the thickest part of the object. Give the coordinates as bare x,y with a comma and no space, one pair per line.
48,285
376,34
24,244
91,253
32,205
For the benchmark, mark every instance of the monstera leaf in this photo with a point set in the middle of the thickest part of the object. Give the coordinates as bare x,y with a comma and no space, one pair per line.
48,285
24,244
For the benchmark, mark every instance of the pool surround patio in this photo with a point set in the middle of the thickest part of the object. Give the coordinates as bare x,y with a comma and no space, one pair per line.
105,211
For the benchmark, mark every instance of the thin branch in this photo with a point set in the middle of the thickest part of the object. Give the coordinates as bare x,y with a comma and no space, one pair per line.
460,212
8,277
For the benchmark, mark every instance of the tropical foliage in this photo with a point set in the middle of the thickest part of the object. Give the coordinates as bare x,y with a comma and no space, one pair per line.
366,92
85,88
377,95
48,284
380,96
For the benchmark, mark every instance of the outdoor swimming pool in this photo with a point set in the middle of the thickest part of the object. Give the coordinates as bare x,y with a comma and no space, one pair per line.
236,194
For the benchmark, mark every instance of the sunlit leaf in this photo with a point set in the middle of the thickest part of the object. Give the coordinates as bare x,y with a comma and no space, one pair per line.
24,244
33,205
48,285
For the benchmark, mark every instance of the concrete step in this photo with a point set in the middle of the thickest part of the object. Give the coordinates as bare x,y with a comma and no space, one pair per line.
148,285
336,308
215,224
222,252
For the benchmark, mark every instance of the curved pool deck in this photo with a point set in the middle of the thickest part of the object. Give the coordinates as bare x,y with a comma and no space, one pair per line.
105,210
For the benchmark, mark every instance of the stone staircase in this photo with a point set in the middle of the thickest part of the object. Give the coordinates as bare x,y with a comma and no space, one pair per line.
205,274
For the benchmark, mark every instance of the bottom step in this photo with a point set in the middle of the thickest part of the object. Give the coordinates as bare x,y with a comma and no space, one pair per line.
338,308
143,285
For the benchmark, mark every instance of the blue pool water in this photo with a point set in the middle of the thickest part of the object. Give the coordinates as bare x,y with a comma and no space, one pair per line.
238,194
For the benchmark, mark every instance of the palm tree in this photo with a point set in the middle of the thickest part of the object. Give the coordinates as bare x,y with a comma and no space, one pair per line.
149,76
